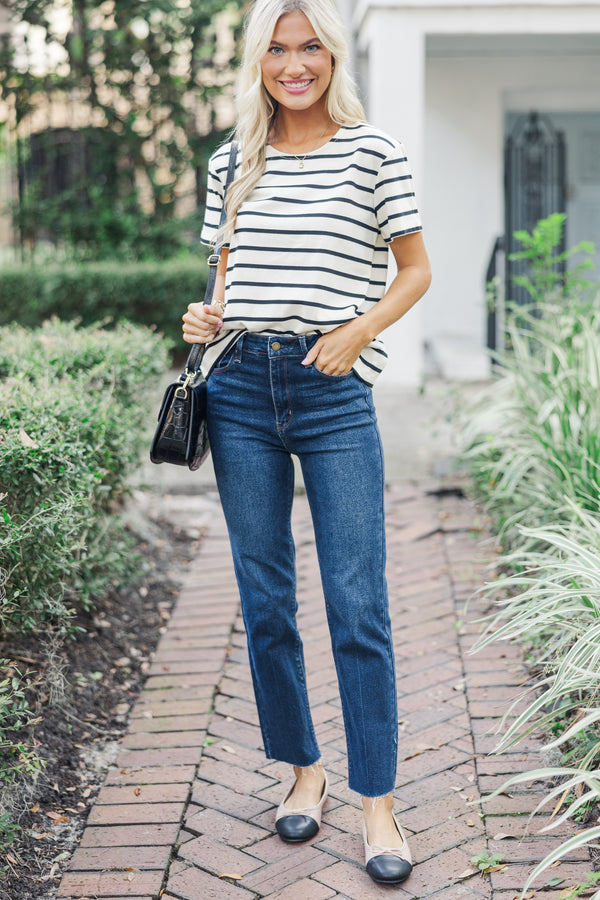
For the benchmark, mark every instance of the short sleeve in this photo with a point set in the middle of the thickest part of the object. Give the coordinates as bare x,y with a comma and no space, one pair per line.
214,198
394,196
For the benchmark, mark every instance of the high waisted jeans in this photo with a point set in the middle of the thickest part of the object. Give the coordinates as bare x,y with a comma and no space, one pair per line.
263,406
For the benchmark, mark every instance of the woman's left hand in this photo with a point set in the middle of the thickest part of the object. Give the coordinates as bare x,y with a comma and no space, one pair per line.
336,352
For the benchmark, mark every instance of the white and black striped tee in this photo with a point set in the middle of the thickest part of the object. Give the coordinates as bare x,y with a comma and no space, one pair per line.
309,250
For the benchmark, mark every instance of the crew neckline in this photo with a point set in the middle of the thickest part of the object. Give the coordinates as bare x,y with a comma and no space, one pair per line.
333,138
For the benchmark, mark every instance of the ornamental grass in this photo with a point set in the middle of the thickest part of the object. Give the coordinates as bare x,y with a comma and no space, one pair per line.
532,444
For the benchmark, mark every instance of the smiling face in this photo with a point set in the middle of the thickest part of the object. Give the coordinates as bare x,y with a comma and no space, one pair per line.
296,69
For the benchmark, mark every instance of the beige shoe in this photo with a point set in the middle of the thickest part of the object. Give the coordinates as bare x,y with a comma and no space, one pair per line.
388,865
297,825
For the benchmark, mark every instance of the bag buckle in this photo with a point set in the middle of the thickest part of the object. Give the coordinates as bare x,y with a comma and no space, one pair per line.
187,378
214,259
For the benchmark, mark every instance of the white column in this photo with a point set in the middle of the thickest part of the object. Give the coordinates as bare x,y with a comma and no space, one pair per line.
346,8
397,105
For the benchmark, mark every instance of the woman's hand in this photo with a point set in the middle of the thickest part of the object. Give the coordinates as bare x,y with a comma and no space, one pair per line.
202,323
336,352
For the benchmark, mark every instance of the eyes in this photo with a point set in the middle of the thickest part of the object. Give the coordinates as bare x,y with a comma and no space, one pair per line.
310,48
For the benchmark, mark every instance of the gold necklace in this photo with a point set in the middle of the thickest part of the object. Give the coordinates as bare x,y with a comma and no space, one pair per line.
303,157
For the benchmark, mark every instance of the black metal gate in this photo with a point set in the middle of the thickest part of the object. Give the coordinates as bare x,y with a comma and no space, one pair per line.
534,185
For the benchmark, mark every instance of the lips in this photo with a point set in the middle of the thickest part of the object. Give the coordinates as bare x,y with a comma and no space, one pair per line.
297,86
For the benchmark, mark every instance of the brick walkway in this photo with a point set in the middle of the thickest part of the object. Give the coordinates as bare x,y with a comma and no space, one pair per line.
192,797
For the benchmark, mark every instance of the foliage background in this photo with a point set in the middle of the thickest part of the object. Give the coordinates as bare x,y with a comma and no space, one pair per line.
73,420
109,112
532,444
135,85
152,293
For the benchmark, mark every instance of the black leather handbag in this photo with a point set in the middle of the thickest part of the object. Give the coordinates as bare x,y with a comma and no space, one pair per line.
181,436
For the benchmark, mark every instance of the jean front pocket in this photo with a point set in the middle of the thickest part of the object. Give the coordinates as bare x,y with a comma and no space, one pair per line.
225,361
332,377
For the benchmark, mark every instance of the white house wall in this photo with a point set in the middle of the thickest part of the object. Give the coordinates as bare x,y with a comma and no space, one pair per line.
466,102
441,78
462,209
401,118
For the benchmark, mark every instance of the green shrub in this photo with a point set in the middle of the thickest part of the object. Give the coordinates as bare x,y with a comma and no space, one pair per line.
532,437
17,759
548,274
532,442
155,294
73,420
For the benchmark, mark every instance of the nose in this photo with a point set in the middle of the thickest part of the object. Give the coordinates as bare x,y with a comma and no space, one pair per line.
295,66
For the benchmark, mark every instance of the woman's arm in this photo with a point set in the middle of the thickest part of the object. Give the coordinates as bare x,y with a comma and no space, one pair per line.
201,323
337,351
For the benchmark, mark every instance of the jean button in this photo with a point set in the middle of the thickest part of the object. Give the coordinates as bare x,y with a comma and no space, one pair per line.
276,345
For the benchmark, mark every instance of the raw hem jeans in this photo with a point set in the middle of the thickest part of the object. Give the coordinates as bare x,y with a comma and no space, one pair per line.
264,406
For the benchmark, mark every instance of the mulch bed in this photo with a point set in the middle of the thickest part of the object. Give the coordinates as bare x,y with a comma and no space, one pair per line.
94,681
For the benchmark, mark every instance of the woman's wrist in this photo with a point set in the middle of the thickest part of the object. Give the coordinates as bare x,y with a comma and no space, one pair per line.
364,327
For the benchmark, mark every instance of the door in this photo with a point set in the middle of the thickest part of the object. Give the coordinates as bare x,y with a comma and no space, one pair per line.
582,131
535,183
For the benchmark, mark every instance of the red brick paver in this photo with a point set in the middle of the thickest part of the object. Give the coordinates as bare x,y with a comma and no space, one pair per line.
188,811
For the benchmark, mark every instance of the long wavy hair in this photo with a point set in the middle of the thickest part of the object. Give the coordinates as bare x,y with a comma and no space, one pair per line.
256,109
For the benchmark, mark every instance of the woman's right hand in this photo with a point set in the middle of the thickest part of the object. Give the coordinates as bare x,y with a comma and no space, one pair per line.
202,323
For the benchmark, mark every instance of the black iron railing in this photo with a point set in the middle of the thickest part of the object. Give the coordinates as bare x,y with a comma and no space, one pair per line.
495,289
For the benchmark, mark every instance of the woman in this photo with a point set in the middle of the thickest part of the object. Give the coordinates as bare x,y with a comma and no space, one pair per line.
318,197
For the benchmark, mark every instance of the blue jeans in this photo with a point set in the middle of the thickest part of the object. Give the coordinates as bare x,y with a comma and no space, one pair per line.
264,406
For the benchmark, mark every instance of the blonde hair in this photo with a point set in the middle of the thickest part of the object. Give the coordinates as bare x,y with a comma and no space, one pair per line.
256,109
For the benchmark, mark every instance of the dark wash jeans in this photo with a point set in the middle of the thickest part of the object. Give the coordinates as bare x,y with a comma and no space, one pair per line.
263,406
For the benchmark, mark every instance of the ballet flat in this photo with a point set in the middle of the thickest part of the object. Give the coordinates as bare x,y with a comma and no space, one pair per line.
386,865
297,825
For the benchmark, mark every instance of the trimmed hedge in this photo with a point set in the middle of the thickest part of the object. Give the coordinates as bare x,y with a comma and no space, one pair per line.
155,294
73,420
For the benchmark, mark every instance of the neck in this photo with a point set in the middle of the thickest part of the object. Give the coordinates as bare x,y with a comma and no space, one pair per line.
301,126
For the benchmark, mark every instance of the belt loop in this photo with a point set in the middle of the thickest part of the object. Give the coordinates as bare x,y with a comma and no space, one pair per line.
239,346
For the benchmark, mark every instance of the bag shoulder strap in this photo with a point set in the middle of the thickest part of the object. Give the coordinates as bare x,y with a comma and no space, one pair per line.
197,351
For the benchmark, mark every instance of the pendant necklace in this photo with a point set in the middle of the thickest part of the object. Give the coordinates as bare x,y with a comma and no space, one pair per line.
303,157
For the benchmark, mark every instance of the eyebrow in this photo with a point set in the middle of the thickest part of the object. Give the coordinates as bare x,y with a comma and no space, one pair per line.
313,40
